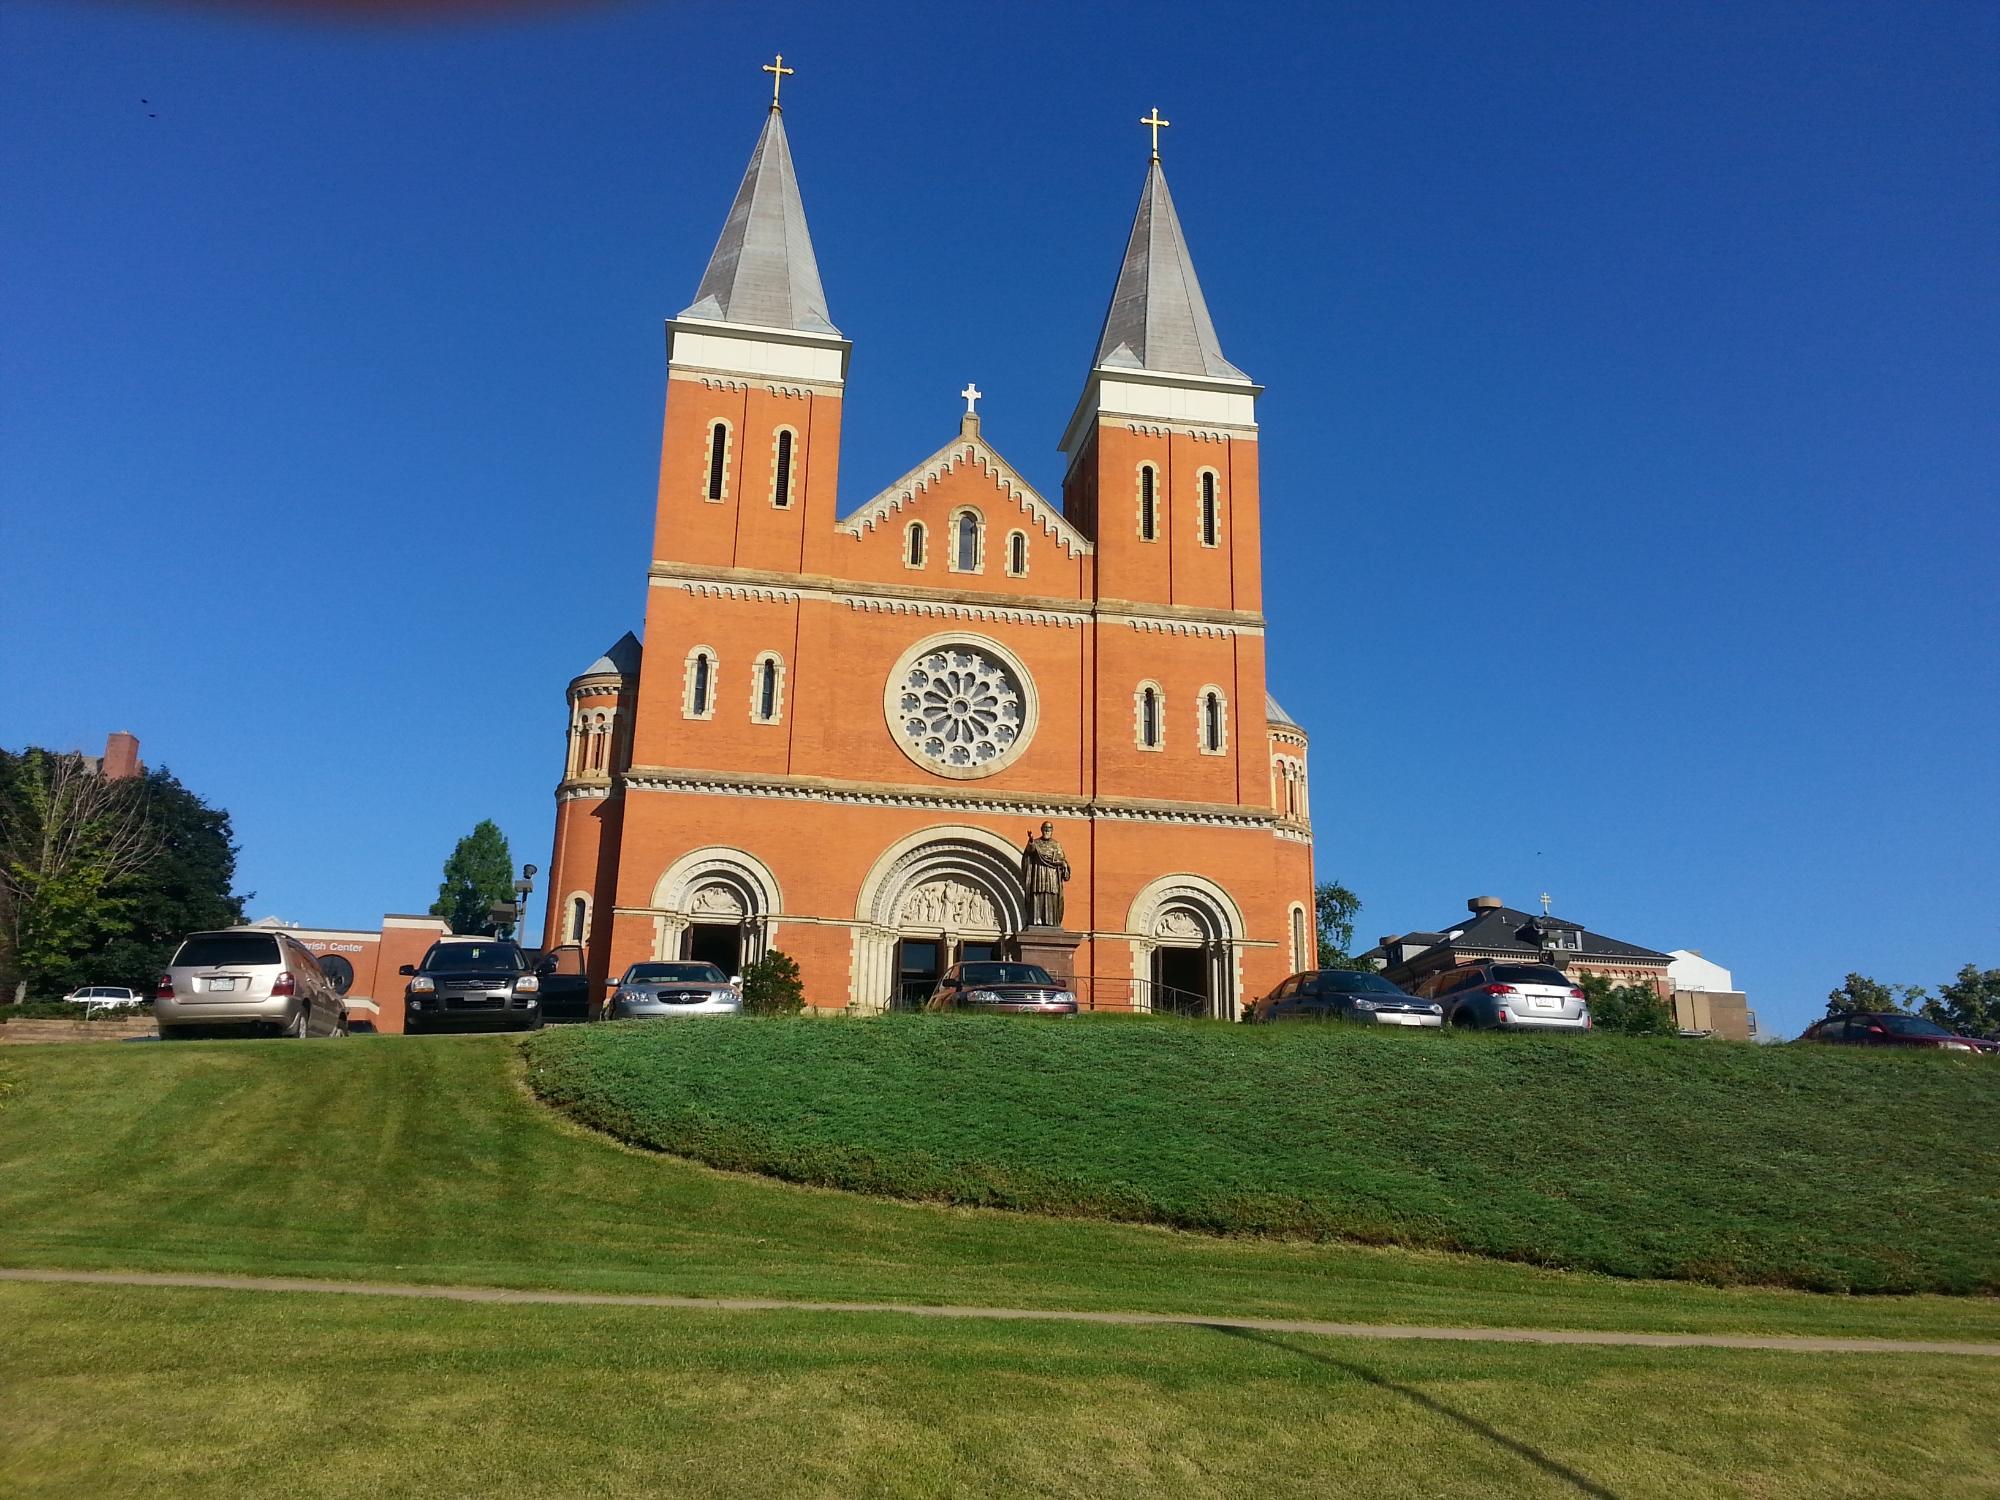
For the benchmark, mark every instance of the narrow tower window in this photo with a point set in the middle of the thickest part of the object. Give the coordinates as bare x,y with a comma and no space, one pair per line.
913,548
1149,717
718,458
577,911
1210,531
1017,553
1211,722
701,684
767,691
698,693
1149,508
781,482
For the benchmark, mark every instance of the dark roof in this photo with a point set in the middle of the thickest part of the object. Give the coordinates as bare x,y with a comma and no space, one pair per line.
1496,931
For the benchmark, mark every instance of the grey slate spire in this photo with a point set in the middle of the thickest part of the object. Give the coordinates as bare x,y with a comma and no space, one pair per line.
1158,320
763,270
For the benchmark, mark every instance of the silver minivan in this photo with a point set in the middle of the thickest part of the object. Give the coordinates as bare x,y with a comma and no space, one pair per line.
1508,997
247,981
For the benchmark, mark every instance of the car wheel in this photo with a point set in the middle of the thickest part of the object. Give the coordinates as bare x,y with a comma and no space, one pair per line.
1463,1017
298,1028
533,1022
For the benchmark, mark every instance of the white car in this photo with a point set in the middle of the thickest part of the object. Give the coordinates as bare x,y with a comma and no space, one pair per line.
98,996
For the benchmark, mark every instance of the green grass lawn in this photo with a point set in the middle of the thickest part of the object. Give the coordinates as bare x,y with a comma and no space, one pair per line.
1812,1167
425,1159
141,1393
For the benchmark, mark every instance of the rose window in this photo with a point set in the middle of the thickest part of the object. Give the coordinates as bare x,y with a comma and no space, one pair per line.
960,709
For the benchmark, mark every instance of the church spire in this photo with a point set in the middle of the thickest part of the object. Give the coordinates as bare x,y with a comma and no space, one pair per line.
1158,320
763,271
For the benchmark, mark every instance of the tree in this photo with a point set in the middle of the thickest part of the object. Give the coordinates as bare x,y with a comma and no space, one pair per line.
1860,993
1970,1003
478,876
1629,1009
1334,910
100,879
771,986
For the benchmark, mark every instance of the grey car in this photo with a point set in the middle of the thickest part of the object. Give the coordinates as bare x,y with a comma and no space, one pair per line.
1508,997
1345,995
247,981
674,991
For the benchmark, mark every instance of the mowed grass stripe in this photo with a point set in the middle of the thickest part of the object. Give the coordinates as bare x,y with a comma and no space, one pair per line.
1818,1168
427,1160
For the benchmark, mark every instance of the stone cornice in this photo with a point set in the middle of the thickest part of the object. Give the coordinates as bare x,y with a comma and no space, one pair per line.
946,799
756,585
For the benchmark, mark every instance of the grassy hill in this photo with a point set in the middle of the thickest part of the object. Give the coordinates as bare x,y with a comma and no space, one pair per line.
1804,1167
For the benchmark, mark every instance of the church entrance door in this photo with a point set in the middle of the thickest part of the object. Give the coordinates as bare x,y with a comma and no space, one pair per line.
918,964
716,943
1181,982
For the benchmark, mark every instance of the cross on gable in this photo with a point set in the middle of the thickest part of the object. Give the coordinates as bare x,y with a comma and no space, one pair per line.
972,393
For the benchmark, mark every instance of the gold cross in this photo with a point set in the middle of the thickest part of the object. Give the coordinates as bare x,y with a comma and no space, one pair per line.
1156,122
779,73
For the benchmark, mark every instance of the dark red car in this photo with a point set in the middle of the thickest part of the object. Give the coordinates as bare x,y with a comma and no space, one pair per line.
1888,1029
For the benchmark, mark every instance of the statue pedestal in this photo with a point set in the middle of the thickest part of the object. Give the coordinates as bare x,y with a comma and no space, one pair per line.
1054,948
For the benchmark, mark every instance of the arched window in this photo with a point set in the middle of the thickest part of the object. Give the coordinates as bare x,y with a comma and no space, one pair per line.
718,459
767,689
781,470
1149,503
913,545
1017,553
1214,721
698,699
1302,957
579,913
965,532
1211,524
1151,715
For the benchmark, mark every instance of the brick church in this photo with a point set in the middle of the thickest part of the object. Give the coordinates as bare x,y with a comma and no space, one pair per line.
842,729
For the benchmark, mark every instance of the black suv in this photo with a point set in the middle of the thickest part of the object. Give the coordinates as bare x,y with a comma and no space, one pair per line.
472,979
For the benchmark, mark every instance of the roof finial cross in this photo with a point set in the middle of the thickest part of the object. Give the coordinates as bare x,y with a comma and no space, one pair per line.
1156,122
972,393
1546,899
779,73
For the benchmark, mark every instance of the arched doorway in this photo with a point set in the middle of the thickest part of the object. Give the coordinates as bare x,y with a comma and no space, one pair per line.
1185,933
933,899
716,905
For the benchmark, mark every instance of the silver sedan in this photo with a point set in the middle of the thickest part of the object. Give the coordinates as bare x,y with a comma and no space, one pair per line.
674,991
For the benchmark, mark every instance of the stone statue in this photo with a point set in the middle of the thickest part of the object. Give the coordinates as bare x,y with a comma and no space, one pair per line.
1044,868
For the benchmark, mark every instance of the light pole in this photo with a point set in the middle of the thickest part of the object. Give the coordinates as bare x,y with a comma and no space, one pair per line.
521,889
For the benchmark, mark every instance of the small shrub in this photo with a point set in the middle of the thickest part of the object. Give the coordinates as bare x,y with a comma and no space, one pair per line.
771,986
1629,1009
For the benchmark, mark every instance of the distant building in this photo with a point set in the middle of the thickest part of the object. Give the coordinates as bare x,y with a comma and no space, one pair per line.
120,761
1497,931
372,960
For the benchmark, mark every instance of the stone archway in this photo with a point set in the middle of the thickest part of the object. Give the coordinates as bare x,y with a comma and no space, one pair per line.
1186,932
930,896
714,904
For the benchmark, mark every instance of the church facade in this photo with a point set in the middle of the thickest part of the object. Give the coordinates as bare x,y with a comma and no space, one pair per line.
842,730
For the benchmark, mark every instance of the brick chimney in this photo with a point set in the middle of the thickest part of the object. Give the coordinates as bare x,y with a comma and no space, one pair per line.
121,757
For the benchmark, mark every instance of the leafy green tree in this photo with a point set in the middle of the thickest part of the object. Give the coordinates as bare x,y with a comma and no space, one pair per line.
1860,993
479,874
771,986
1334,910
1629,1009
1970,1003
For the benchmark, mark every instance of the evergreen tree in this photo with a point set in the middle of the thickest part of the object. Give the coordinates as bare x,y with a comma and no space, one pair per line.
479,874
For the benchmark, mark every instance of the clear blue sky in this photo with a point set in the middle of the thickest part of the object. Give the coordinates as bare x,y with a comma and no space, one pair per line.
1630,440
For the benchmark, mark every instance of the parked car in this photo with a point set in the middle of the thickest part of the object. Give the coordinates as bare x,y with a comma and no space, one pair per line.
565,982
993,987
1508,997
472,980
244,981
95,997
673,991
1345,995
1888,1029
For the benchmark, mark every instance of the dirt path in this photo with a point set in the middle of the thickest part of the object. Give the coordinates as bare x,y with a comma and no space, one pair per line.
1789,1344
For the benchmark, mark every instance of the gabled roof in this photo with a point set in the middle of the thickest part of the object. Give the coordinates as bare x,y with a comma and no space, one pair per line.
1158,319
1494,931
621,660
763,271
968,448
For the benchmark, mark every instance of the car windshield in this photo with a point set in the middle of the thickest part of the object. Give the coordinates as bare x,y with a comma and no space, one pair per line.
211,950
1910,1026
675,974
984,973
1345,982
474,958
1531,974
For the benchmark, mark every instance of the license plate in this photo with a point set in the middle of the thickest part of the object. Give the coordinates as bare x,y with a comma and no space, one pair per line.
1538,1003
1407,1020
221,984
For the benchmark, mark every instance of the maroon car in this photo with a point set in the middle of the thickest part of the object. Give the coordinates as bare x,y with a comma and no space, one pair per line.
1887,1029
